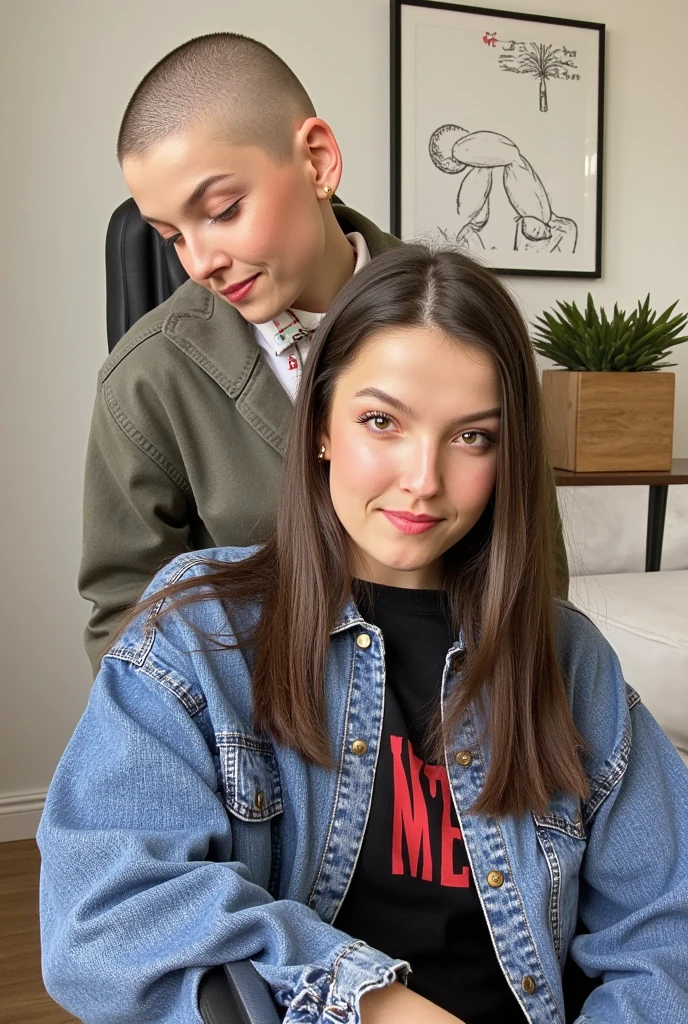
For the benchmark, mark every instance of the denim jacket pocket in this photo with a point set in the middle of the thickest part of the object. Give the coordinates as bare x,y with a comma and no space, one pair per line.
561,835
251,780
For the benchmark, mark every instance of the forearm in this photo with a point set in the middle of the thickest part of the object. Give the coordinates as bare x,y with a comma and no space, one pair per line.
397,1004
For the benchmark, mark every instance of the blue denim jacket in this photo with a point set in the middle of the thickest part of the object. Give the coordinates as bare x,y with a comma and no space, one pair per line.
175,838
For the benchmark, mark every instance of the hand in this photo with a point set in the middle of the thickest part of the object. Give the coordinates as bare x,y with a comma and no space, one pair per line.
397,1004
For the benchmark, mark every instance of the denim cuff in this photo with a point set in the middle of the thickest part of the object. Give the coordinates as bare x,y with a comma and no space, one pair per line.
334,996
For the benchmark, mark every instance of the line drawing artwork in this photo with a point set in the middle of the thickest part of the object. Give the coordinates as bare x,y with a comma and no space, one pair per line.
483,160
544,61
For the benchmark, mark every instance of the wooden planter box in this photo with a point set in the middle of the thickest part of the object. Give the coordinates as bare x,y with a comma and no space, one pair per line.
599,422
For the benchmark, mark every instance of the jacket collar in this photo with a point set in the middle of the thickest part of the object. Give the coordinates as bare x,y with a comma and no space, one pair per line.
211,333
350,616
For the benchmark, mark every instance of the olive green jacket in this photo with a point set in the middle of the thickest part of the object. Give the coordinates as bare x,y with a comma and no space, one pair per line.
186,445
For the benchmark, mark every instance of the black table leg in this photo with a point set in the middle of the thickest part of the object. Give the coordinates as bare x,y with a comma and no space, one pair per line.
656,514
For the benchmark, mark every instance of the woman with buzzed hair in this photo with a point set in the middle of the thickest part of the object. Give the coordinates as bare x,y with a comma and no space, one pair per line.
223,152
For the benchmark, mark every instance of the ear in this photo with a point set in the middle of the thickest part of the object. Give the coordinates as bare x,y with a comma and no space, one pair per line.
316,143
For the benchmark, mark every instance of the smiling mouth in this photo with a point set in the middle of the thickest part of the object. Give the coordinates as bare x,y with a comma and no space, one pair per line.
407,522
238,292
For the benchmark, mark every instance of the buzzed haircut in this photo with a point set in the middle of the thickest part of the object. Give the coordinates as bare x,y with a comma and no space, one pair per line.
238,86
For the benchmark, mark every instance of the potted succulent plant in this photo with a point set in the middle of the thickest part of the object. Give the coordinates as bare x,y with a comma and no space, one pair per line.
606,410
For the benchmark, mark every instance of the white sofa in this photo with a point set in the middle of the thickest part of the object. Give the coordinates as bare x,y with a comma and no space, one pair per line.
643,615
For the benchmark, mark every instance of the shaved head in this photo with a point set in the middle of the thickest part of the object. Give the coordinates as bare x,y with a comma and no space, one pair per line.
235,86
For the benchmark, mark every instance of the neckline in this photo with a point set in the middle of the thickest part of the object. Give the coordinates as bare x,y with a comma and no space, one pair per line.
403,599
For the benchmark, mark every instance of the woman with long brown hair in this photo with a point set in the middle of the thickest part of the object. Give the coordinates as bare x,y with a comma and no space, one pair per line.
376,749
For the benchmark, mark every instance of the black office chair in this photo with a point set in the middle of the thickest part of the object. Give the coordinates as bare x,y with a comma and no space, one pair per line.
140,272
236,994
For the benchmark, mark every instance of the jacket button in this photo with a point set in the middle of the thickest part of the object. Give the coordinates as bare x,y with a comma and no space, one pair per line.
359,747
529,985
464,758
260,801
363,641
495,879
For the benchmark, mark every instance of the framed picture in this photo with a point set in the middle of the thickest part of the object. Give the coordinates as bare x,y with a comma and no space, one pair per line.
497,125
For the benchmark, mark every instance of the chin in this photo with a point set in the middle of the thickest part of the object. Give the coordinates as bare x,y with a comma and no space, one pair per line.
406,562
263,313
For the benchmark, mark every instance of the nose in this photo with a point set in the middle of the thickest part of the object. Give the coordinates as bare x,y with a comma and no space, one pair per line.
420,472
201,259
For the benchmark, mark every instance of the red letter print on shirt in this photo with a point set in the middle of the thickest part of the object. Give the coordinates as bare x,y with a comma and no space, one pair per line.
410,819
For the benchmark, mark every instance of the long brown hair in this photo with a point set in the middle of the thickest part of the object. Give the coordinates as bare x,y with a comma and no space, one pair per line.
499,579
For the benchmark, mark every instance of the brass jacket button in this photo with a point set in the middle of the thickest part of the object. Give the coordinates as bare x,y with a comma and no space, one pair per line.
464,758
495,879
359,747
363,641
260,801
529,985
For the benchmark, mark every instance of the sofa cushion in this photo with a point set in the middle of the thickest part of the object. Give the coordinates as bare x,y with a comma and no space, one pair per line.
644,616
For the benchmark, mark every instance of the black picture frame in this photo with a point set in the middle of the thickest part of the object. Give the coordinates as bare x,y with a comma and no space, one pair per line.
572,248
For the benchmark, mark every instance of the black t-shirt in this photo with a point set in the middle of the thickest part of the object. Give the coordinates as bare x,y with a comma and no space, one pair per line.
412,894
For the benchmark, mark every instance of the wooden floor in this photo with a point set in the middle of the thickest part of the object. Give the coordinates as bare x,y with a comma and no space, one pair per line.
23,999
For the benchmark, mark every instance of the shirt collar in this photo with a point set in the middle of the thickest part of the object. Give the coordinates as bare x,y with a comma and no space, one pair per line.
289,328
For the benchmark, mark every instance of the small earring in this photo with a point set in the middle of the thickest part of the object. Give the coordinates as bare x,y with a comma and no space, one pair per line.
328,192
321,453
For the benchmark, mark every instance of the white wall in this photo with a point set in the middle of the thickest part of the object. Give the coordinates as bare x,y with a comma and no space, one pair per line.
68,68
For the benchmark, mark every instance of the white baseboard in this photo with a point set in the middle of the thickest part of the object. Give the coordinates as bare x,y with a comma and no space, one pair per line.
19,815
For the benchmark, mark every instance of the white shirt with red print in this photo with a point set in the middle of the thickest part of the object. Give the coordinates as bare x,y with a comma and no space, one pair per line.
285,341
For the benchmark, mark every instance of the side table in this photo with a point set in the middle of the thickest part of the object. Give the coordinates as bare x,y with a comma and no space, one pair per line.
658,484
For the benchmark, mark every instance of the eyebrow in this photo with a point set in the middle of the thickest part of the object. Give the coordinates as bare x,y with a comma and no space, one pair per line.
201,190
195,196
382,396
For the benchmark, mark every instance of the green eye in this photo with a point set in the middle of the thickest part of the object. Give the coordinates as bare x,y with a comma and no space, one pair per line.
470,437
376,422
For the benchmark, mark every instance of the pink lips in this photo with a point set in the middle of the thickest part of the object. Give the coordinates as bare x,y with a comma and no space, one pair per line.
238,292
406,522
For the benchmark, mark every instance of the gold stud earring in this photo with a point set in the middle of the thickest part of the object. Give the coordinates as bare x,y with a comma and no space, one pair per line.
321,453
328,192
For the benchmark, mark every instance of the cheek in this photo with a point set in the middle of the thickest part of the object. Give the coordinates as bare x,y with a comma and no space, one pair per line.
287,226
473,482
359,465
272,227
256,236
